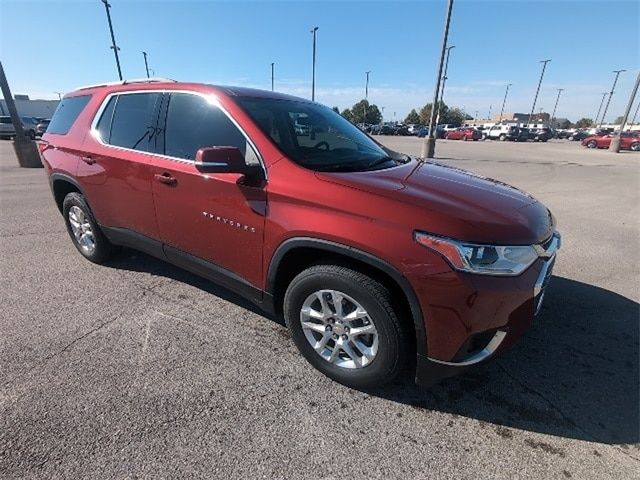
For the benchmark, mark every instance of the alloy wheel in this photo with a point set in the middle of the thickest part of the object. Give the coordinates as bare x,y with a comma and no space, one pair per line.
82,231
339,329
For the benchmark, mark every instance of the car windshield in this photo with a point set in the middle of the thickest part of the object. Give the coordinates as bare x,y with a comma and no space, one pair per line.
315,136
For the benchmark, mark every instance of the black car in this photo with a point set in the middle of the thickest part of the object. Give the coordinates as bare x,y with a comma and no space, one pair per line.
541,134
579,135
424,131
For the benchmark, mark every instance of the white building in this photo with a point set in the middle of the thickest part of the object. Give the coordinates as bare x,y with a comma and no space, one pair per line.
30,108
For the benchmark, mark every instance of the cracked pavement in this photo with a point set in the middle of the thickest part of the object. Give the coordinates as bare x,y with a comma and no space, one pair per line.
138,369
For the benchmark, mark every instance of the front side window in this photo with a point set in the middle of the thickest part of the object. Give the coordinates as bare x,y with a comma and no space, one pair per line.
192,122
66,114
133,123
315,136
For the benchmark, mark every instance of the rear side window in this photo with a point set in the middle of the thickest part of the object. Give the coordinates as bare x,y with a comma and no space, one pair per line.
104,124
192,123
133,123
67,113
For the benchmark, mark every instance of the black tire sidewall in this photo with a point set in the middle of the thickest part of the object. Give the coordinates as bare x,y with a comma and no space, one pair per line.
103,248
389,358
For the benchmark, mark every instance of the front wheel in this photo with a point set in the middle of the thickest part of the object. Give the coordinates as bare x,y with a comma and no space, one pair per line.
502,137
84,230
592,144
343,323
635,147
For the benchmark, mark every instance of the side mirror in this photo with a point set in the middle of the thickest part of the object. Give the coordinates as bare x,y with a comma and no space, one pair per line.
222,160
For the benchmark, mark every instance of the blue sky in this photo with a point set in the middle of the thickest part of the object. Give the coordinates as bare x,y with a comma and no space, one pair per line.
64,44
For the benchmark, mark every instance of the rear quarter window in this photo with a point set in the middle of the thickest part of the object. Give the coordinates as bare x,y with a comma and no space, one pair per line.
66,114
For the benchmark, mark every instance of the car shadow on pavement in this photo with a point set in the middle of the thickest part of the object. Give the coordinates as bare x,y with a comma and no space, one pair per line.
574,374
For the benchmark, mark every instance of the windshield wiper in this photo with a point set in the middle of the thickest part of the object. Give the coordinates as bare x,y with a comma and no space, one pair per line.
379,161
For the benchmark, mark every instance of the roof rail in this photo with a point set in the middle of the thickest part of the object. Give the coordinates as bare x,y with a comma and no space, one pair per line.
127,82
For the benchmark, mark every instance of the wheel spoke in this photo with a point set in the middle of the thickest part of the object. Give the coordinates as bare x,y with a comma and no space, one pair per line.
326,311
358,313
367,352
334,354
365,330
346,346
336,299
316,327
322,343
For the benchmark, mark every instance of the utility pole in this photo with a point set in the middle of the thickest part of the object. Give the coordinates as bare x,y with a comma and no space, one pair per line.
613,88
313,69
146,65
535,99
113,38
272,75
604,95
366,86
429,144
444,81
489,117
614,146
26,149
553,115
504,101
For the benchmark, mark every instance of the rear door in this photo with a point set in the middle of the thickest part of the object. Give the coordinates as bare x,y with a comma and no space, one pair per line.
115,171
210,217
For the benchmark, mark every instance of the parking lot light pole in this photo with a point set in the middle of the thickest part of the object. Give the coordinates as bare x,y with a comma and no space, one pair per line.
366,86
633,120
613,88
313,68
429,144
272,75
444,82
604,95
504,101
535,99
614,146
146,65
26,149
553,115
113,38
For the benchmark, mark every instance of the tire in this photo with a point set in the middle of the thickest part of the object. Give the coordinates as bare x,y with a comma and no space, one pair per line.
592,144
31,134
502,137
95,247
393,340
635,147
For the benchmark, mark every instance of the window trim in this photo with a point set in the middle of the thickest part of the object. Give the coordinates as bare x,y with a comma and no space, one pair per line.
209,97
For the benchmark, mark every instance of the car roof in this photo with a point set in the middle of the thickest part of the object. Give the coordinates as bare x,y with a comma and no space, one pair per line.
168,84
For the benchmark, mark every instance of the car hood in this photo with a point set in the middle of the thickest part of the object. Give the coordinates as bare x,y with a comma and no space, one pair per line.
455,203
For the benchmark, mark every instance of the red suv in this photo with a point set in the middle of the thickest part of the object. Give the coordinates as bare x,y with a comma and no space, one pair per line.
376,260
628,141
464,133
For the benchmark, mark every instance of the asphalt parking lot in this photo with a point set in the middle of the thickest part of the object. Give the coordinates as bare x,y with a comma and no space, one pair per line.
137,369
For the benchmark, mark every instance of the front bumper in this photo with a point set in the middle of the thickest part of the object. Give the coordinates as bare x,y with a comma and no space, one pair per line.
491,315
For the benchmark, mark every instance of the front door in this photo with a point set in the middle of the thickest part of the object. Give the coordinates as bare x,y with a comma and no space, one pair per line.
210,217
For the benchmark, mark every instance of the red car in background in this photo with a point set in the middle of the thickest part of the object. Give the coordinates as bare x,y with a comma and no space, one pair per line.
628,141
464,133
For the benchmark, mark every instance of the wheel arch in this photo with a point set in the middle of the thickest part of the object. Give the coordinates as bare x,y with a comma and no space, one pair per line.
296,254
61,186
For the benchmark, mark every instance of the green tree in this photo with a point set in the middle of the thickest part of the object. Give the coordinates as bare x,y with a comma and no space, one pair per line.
425,113
336,109
365,112
453,116
346,113
618,121
584,123
413,117
565,124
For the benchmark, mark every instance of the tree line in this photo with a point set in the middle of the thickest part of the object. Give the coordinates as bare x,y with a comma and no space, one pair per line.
365,112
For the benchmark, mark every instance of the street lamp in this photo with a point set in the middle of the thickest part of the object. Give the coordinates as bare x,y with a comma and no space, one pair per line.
272,76
366,85
429,144
613,87
444,81
113,38
535,99
504,101
313,69
553,115
146,64
604,95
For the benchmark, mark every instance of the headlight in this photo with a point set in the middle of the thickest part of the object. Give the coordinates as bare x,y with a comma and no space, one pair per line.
484,259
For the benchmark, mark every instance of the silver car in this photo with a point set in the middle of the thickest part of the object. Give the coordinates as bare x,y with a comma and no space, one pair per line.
7,129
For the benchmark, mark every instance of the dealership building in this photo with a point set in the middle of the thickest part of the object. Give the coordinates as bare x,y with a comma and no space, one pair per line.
30,108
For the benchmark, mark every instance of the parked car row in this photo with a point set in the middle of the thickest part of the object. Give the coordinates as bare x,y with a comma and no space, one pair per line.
33,127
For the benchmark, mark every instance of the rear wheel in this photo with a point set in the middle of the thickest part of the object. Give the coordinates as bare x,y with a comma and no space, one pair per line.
84,230
502,137
592,144
635,146
343,323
